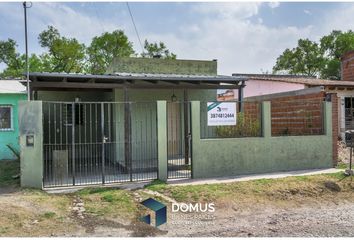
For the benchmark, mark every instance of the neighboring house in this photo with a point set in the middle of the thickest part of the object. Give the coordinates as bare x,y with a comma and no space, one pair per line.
11,91
264,84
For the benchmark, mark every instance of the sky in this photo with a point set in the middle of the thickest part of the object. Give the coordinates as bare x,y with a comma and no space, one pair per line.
244,37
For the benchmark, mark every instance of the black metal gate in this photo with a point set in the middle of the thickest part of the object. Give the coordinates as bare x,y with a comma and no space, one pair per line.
179,140
98,143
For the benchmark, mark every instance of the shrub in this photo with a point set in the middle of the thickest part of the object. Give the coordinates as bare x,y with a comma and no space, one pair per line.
245,127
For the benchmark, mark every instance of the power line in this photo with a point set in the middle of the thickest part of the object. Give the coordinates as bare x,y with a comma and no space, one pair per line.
136,30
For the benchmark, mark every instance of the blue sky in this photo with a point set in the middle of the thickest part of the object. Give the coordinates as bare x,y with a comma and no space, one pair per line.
244,37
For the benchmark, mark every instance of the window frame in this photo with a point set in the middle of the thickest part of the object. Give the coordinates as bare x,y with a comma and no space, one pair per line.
11,118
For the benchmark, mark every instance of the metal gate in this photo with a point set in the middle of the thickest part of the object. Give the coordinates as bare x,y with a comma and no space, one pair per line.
178,140
98,143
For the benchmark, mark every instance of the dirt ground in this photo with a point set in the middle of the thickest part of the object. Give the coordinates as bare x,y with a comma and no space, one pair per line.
294,207
324,219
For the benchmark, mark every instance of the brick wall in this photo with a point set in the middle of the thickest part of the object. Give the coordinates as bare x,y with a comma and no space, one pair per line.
299,115
348,66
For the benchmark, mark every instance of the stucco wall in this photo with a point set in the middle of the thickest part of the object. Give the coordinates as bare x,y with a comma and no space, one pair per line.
30,124
10,137
257,88
227,157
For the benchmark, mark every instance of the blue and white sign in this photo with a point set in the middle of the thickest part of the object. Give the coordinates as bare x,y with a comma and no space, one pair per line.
221,113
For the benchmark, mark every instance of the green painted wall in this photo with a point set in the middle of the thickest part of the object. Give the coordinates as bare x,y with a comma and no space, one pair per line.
164,66
229,157
10,137
30,123
143,115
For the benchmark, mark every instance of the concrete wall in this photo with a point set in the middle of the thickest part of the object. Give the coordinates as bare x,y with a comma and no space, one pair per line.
164,66
30,124
258,88
227,157
10,137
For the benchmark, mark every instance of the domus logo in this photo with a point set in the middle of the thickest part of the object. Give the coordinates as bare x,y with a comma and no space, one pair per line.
196,207
159,209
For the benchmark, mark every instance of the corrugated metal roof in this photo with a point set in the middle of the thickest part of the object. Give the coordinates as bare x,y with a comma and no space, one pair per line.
139,76
11,86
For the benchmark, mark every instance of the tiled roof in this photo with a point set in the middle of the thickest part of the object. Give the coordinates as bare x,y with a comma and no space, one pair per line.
11,86
297,79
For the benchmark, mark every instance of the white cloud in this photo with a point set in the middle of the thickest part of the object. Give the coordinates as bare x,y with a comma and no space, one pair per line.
239,44
233,33
273,4
340,18
228,10
72,23
307,12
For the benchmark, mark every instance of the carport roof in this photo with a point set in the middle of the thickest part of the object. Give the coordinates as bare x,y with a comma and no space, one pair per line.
40,80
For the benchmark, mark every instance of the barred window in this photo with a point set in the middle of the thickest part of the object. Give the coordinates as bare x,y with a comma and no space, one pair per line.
5,117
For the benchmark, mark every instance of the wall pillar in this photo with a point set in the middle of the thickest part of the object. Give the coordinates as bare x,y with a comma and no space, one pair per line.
195,130
266,119
162,140
31,142
327,118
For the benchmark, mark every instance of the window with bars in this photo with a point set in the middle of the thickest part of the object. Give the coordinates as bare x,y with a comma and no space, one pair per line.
5,118
79,114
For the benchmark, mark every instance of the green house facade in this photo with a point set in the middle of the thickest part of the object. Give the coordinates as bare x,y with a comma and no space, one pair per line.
11,92
148,119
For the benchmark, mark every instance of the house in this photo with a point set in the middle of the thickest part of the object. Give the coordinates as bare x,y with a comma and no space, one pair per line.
341,91
154,119
11,91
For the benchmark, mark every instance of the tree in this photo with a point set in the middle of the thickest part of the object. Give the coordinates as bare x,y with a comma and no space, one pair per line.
157,50
317,59
15,62
64,54
306,59
334,46
105,48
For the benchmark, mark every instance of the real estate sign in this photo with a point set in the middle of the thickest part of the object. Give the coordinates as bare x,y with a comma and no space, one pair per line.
221,113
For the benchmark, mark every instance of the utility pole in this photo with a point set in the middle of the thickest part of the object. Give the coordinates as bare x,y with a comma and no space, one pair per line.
26,43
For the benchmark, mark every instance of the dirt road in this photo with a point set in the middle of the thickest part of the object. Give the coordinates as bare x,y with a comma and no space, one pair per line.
318,206
323,219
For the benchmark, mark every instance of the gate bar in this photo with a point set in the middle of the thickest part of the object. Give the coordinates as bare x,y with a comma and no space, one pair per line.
73,140
186,127
103,142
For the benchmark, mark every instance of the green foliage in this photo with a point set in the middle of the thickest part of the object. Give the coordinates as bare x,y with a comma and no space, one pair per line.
69,55
64,54
105,48
317,59
157,49
245,127
306,58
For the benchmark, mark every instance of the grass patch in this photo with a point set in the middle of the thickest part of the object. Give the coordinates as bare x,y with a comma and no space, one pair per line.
256,190
8,169
156,185
48,215
342,165
108,202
